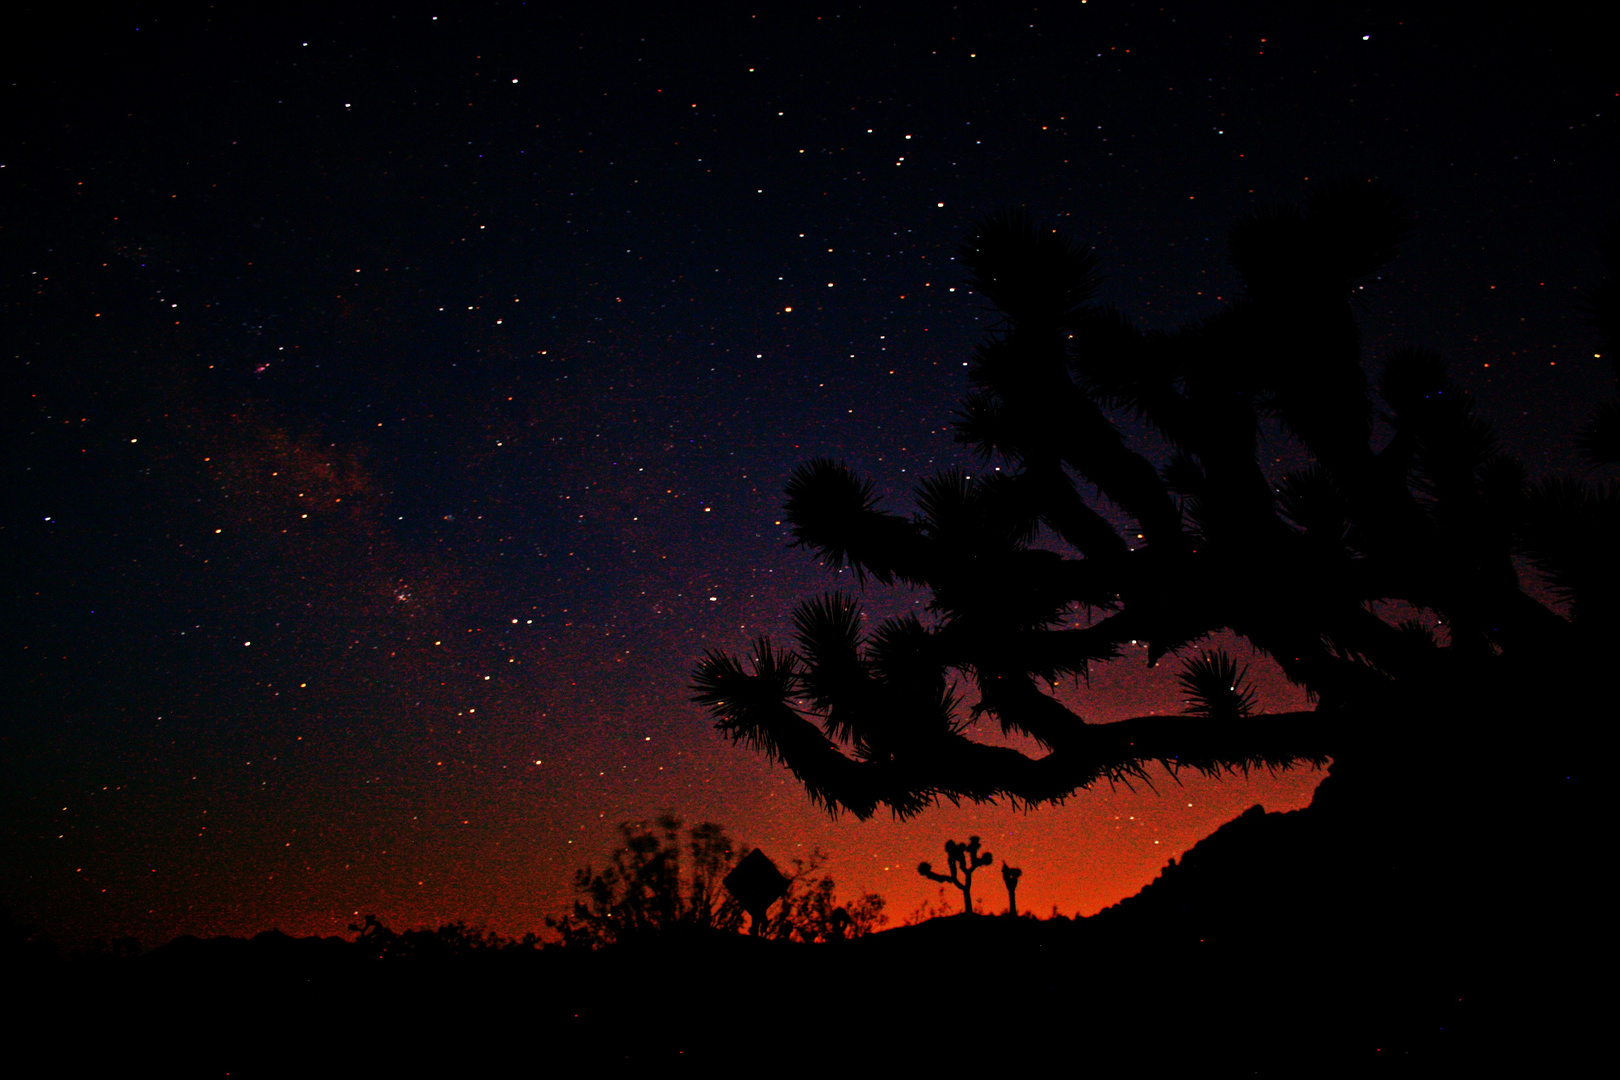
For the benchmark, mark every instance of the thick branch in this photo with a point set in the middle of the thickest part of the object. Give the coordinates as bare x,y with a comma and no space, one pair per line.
955,767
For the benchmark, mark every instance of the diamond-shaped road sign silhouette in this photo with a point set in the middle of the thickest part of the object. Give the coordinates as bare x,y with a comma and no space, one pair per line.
756,883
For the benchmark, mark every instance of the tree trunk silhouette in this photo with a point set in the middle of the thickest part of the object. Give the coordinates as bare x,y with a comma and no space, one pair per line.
1009,877
961,861
1450,620
1298,565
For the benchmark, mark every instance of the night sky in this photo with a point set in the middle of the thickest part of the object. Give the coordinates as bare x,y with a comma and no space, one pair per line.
399,403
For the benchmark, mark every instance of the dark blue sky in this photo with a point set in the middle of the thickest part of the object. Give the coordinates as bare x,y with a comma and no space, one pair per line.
399,399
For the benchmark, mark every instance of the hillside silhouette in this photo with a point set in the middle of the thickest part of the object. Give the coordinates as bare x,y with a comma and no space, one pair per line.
1449,618
1243,956
1430,913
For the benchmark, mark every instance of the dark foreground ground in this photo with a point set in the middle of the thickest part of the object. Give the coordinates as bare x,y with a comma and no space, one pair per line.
1048,997
1242,961
1380,932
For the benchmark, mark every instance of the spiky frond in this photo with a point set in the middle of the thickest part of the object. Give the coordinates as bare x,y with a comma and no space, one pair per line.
1417,635
982,423
1434,419
736,696
1428,520
829,630
834,512
971,515
1312,500
1345,231
1183,475
755,708
944,502
1217,687
903,652
835,676
1127,368
1572,535
1026,272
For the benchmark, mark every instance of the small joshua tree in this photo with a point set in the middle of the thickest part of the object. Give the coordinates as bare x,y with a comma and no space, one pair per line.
958,856
1009,878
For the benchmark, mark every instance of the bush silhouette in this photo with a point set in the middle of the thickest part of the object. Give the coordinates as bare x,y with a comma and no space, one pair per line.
643,890
656,883
811,910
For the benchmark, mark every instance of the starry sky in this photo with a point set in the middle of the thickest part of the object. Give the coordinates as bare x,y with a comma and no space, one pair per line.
399,401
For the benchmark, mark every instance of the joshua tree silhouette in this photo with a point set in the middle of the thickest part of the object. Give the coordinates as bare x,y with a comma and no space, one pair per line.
1380,577
1009,878
963,858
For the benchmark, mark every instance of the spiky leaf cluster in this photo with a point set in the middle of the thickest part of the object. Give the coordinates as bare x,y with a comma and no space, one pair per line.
1134,504
1217,687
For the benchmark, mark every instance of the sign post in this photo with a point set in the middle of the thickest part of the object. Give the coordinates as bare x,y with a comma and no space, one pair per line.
757,884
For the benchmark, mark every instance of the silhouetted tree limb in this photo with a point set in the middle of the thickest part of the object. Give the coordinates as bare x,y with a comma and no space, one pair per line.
1431,521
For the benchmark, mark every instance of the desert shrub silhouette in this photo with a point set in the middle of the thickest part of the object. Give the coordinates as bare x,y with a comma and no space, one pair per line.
451,941
644,892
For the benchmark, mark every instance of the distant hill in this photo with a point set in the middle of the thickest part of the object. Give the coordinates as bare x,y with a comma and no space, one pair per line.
1274,947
